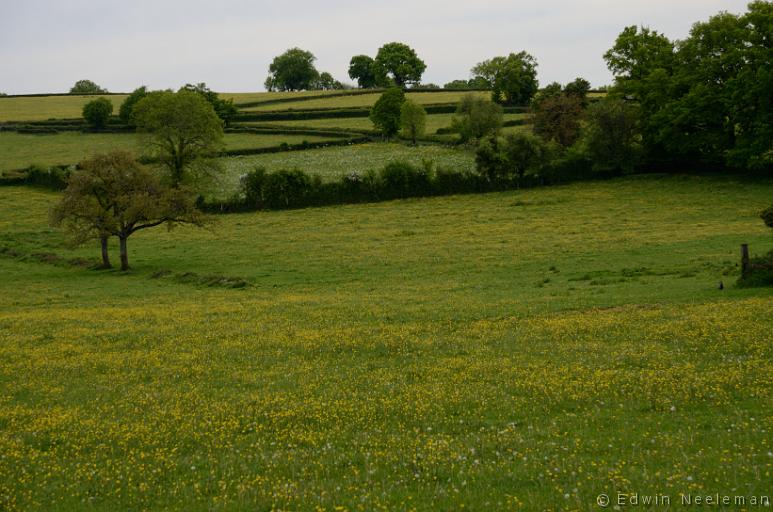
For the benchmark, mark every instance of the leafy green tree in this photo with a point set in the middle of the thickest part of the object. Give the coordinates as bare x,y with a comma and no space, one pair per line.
225,109
401,62
292,71
549,91
97,112
512,79
477,118
86,87
524,154
387,110
578,88
368,75
558,118
639,51
182,129
413,119
113,195
611,138
326,82
125,111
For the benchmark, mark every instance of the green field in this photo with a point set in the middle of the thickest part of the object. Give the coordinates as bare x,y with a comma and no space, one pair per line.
522,350
365,100
434,121
42,108
19,151
334,162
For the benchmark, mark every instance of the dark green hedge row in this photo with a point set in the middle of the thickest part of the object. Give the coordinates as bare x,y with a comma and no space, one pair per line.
357,92
295,147
54,177
329,113
289,130
286,189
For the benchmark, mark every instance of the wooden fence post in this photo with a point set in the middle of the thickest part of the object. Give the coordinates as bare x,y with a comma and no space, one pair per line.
744,259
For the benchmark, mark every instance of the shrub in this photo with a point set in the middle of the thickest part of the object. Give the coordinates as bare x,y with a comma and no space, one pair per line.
477,118
767,217
386,112
125,111
401,180
286,189
97,112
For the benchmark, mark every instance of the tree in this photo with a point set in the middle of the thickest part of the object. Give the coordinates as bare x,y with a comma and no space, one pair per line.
387,110
558,118
292,71
512,79
610,138
97,112
225,109
86,87
368,75
181,128
477,118
579,88
413,119
639,51
401,62
524,153
113,195
326,82
125,111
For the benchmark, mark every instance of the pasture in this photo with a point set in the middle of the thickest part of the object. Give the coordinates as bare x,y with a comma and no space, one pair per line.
520,350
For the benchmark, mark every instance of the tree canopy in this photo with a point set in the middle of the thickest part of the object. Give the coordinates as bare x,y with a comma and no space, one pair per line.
477,118
705,99
126,108
368,75
292,71
113,195
225,109
387,110
400,61
512,79
97,112
87,87
181,128
413,120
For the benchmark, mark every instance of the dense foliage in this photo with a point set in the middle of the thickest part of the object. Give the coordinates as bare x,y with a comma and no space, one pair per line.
706,99
387,110
97,112
413,120
125,111
512,79
400,62
476,118
87,87
181,129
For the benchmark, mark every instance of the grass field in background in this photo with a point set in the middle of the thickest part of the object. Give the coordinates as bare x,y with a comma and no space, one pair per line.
434,121
19,151
366,100
334,162
42,108
489,352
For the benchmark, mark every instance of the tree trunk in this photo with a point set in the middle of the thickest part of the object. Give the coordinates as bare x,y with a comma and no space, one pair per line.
105,254
124,253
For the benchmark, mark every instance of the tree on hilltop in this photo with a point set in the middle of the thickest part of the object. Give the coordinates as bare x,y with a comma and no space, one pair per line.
292,71
401,62
87,87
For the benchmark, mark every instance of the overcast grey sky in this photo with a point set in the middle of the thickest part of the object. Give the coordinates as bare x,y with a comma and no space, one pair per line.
46,45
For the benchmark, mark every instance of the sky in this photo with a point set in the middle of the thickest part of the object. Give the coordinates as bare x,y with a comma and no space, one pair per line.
47,45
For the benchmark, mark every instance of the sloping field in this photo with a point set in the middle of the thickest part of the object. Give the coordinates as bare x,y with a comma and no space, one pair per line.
42,108
491,352
365,100
19,151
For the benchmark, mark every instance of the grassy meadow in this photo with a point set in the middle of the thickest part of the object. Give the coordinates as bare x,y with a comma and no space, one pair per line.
43,108
522,350
366,100
19,151
333,162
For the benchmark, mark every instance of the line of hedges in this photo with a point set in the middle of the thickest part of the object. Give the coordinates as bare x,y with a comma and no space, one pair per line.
288,189
290,130
350,92
53,177
336,113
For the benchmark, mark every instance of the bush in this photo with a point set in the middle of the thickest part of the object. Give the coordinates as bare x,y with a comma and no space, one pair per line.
767,217
401,180
125,111
54,178
477,118
97,112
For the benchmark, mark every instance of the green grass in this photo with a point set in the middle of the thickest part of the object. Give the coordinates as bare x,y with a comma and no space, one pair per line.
49,107
434,121
19,151
366,100
334,162
530,348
